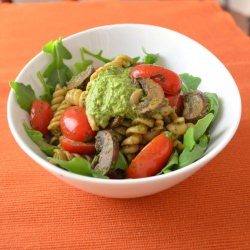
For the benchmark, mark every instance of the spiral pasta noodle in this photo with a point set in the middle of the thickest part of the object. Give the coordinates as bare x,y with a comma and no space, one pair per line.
166,110
154,131
58,96
120,133
54,125
55,139
64,155
76,97
178,127
120,129
133,142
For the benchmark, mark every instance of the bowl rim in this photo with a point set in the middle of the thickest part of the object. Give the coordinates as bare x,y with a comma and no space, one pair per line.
59,171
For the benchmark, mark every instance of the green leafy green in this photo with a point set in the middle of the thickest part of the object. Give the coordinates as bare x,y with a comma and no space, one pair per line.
173,162
57,72
188,139
24,94
195,141
38,139
97,55
136,59
214,103
149,58
47,89
121,162
77,165
202,125
189,82
83,65
187,157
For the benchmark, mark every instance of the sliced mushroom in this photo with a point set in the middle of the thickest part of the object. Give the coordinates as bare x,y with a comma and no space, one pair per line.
108,147
196,106
81,80
154,97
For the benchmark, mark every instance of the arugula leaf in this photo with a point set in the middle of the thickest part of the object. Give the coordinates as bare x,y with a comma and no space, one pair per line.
47,88
97,56
189,83
83,65
149,57
193,134
214,103
195,141
24,94
188,139
187,157
121,162
173,162
57,72
37,138
136,59
202,125
77,165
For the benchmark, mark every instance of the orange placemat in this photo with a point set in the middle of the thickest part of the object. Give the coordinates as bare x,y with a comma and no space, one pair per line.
208,211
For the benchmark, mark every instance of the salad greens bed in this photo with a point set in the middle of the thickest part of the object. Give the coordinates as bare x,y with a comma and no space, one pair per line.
195,139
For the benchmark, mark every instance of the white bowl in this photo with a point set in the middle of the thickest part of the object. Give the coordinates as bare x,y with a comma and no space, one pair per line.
179,53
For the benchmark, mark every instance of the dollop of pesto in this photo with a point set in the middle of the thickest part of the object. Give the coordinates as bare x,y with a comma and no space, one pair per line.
109,96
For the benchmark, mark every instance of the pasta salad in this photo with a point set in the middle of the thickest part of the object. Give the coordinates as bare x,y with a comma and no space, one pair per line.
129,118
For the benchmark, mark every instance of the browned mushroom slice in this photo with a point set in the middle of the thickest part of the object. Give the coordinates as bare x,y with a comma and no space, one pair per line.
196,106
154,97
81,80
108,148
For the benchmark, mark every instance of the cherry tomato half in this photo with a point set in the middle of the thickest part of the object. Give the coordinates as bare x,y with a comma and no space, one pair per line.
176,101
74,124
152,158
169,80
77,146
40,115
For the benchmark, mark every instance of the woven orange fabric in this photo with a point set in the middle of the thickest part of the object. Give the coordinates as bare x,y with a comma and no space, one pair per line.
210,210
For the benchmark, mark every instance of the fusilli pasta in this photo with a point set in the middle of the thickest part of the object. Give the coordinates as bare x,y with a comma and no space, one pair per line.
54,125
64,155
76,97
58,96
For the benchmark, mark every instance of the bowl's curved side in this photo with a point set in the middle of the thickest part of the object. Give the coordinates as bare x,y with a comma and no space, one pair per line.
128,188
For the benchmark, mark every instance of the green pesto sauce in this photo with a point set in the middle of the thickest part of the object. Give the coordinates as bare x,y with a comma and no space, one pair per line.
109,96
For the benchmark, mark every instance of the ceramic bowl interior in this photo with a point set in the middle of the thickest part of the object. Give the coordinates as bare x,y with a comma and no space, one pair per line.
178,53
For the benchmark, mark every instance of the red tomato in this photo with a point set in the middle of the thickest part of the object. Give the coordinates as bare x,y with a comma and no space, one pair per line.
152,158
169,80
74,124
77,146
176,101
40,115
